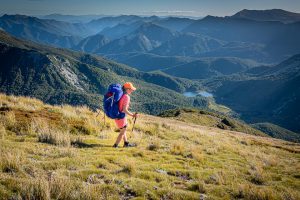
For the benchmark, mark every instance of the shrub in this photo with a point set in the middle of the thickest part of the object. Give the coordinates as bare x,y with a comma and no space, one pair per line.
154,146
198,187
257,175
228,122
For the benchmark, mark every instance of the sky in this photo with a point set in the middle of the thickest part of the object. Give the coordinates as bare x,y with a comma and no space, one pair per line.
195,8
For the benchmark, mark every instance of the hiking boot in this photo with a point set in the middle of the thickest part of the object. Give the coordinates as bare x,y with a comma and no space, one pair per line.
115,146
127,144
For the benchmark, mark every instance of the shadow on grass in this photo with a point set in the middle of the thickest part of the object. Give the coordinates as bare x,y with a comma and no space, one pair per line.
85,145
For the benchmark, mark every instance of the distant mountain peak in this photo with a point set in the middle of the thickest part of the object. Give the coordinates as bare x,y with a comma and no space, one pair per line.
268,15
210,18
18,16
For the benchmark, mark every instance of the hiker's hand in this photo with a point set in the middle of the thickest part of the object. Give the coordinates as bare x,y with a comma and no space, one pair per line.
135,115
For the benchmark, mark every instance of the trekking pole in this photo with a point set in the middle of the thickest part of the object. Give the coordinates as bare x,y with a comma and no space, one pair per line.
98,113
133,123
103,116
132,126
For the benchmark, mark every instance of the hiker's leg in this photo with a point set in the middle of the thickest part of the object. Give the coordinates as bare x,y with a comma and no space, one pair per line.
120,136
125,136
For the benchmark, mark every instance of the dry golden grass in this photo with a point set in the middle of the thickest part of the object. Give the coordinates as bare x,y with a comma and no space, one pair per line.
155,144
22,103
55,137
2,131
8,120
64,152
10,161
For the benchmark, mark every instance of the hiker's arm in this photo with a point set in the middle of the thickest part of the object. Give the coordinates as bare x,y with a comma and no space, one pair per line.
125,110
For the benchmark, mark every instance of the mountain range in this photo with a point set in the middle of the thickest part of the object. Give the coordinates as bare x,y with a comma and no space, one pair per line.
225,92
234,57
61,76
247,34
268,15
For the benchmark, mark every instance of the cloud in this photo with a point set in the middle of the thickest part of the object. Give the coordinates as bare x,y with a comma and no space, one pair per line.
172,12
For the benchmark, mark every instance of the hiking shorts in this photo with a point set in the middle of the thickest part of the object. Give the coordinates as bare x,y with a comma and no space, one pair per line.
121,123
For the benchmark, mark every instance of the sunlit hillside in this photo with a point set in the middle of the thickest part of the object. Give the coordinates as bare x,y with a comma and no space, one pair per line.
64,152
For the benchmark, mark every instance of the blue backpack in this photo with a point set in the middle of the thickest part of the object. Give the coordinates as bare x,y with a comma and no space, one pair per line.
111,102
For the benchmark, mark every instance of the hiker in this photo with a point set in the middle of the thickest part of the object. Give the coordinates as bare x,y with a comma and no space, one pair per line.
124,102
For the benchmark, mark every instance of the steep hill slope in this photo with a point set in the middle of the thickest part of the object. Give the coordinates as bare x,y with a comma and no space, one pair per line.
150,62
270,95
145,38
188,45
65,152
277,132
92,43
205,118
100,24
120,30
205,68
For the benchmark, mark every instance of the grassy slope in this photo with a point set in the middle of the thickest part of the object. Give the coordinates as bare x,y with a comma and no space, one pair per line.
277,131
211,119
205,118
65,152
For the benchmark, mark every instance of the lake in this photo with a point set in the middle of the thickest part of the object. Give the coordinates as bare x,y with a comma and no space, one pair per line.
202,93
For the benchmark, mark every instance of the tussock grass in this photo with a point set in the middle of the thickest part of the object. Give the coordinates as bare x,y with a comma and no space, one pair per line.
8,120
11,162
249,192
69,112
211,150
22,103
197,154
257,175
2,131
129,167
64,152
151,129
37,188
178,148
217,178
198,186
56,137
155,145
